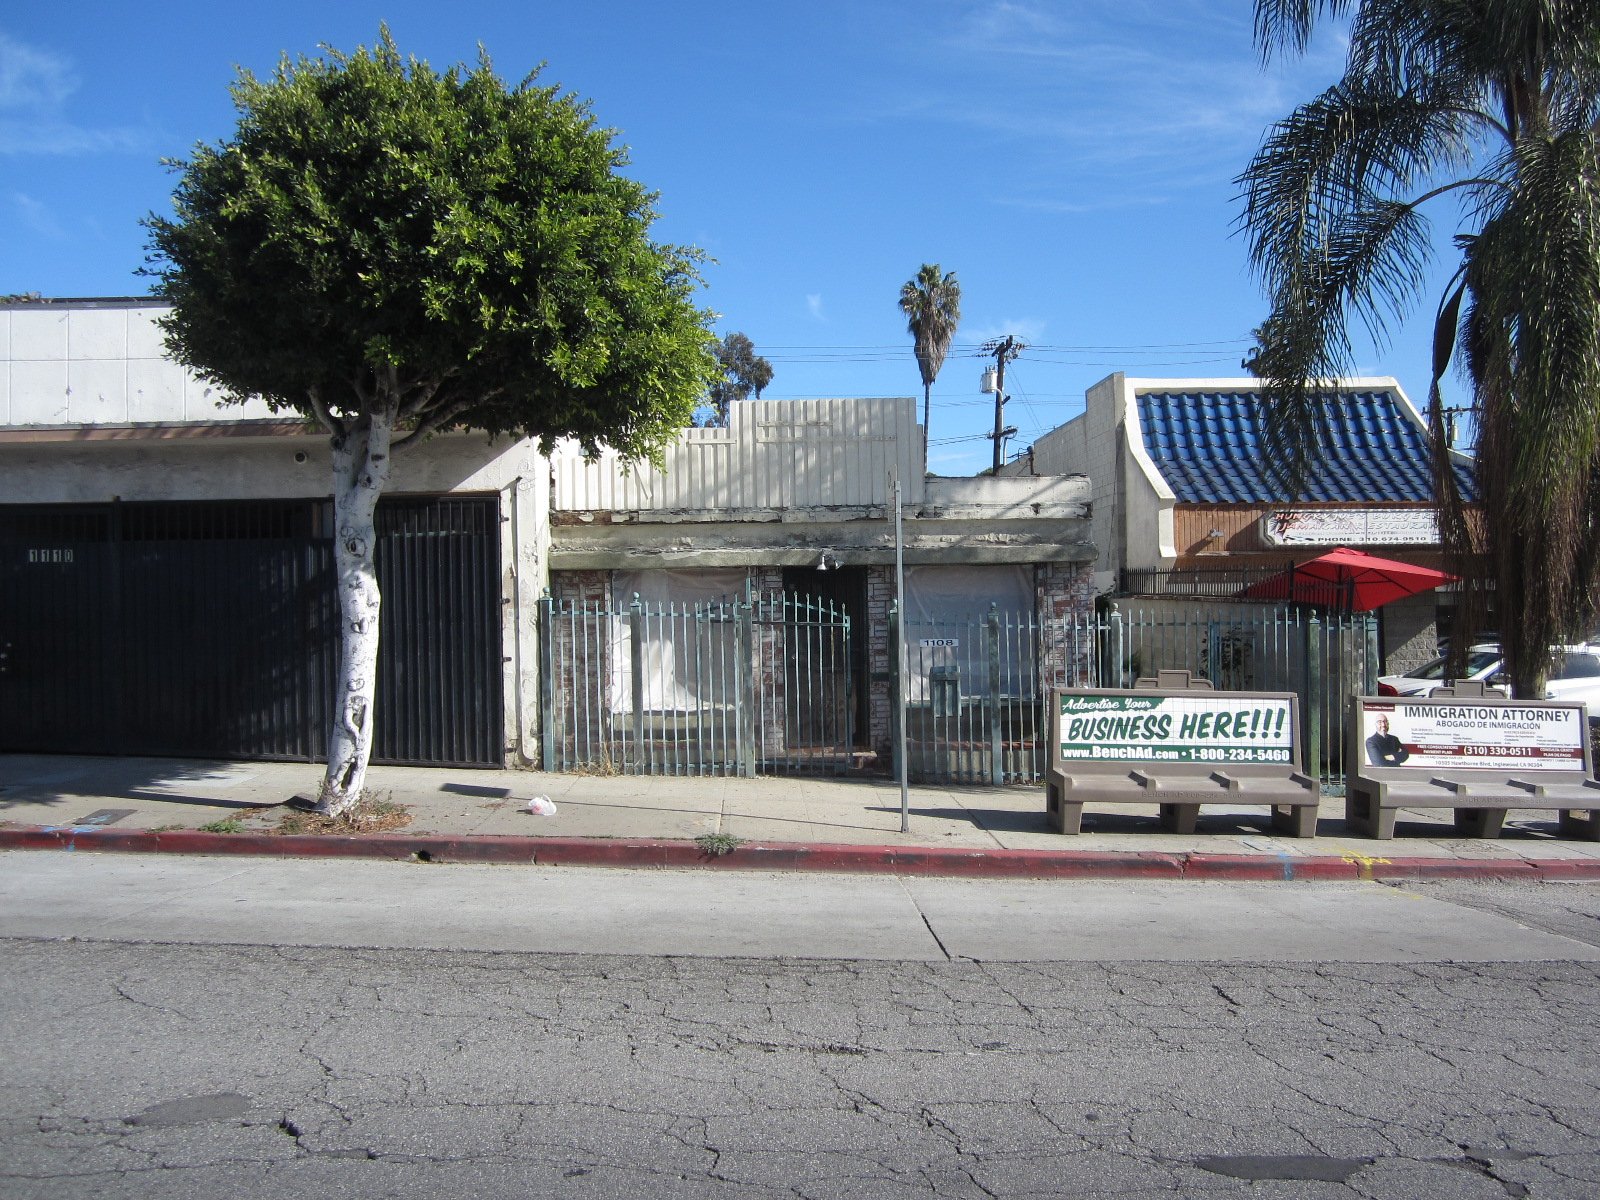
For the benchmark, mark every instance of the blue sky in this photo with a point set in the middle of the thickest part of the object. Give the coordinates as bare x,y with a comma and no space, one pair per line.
1072,162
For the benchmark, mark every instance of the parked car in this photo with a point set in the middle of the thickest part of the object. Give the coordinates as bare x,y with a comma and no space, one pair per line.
1483,660
1574,674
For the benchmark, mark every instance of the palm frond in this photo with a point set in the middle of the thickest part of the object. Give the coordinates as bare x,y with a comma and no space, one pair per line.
1287,24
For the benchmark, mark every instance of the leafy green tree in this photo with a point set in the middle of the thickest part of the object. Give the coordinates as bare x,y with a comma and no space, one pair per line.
743,372
931,303
1495,102
394,252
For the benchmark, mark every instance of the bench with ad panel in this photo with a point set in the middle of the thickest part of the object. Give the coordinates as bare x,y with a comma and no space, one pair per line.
1476,754
1178,747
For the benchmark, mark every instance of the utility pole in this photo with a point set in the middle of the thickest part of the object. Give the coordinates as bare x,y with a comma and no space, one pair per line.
1004,350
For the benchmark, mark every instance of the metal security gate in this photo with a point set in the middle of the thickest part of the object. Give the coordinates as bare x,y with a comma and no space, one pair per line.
975,693
209,629
976,689
732,687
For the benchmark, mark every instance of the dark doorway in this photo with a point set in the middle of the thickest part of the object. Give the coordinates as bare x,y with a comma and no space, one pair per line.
844,588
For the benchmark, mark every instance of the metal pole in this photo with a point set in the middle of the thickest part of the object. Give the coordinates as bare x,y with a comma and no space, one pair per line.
997,763
547,682
636,663
900,649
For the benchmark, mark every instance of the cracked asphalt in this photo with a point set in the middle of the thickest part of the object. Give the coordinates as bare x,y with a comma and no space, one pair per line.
172,1068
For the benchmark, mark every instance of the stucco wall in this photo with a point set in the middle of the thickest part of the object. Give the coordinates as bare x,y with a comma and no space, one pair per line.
99,362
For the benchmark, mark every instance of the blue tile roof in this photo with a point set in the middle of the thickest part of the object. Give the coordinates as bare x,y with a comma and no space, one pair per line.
1208,447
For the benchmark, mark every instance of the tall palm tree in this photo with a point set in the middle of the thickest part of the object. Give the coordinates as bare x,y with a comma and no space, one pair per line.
932,305
1495,102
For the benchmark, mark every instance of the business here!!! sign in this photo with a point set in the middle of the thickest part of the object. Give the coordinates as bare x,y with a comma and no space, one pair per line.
1180,729
1456,736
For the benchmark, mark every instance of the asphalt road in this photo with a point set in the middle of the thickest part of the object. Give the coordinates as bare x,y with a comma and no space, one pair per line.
226,1029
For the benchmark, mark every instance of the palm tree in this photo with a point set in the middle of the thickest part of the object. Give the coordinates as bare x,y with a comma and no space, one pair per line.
932,305
1495,102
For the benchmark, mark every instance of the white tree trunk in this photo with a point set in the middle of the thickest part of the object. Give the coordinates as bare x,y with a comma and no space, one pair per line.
360,474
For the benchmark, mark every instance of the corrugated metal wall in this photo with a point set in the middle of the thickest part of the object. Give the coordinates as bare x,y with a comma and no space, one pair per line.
209,629
774,454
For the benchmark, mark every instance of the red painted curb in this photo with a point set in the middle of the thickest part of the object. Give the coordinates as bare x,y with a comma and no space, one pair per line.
1202,865
1574,869
648,853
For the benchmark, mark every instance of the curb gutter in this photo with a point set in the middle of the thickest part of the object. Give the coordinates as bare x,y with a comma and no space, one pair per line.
642,853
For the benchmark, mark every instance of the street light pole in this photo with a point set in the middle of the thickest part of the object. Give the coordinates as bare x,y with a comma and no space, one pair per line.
900,651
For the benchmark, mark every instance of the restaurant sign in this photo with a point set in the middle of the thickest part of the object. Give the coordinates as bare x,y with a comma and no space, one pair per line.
1350,527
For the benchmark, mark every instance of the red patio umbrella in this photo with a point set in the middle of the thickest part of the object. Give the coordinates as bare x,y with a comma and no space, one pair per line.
1348,579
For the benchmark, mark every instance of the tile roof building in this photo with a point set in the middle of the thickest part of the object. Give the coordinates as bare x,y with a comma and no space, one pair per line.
1186,501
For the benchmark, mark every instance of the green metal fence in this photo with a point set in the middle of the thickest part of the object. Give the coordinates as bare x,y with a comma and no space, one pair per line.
976,687
748,686
762,685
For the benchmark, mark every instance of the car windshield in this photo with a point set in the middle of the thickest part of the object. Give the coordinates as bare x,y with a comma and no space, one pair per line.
1477,660
1576,665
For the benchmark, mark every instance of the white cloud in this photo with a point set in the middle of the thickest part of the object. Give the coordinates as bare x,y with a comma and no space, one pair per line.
1024,329
31,79
35,90
33,215
1112,101
814,306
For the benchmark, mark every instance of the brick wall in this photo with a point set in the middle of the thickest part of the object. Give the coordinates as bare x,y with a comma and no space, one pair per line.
1065,594
881,666
581,653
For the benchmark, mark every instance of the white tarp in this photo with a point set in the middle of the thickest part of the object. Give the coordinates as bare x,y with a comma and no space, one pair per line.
947,612
686,661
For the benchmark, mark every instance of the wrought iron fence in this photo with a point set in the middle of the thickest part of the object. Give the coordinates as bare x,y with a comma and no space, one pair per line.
728,687
976,688
763,685
975,692
1322,657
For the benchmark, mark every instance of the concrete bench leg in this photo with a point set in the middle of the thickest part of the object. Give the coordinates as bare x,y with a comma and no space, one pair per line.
1479,822
1179,818
1064,816
1580,823
1363,814
1296,820
1069,817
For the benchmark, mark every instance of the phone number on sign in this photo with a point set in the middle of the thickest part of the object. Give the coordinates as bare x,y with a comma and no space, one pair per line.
1238,754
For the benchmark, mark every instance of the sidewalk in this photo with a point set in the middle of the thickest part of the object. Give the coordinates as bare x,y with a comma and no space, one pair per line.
458,815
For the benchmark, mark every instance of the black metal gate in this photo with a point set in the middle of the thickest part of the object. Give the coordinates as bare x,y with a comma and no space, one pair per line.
209,629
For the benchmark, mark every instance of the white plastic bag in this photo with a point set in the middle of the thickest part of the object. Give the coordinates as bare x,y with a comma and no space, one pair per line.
542,806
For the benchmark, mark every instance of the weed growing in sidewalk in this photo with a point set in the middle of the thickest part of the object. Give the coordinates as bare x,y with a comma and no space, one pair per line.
223,825
372,813
715,845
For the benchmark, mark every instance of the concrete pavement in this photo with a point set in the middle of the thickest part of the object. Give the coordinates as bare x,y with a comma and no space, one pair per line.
193,806
198,900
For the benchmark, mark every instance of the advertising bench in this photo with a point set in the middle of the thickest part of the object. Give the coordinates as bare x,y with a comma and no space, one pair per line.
1177,748
1476,755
